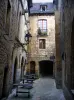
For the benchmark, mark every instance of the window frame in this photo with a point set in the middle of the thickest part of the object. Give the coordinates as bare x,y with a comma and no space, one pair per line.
41,6
42,25
44,44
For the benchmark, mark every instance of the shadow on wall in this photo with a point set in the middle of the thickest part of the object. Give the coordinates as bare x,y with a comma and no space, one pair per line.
22,67
15,71
46,68
4,81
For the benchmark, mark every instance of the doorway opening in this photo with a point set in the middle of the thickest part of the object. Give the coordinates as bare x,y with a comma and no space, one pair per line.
46,68
32,67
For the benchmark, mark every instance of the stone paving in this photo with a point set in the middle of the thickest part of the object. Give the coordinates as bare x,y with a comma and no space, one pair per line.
43,89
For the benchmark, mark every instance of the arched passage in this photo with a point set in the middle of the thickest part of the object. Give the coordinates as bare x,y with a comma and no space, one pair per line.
46,68
32,67
15,71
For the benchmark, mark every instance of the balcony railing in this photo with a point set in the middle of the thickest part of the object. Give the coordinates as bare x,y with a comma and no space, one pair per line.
42,32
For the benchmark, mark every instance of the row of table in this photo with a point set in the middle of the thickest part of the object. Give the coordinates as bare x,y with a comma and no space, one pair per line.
27,83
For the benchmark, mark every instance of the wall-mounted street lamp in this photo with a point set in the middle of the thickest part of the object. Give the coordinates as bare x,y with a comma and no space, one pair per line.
28,37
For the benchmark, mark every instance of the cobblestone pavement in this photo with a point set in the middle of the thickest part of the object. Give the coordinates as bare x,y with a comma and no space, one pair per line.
43,89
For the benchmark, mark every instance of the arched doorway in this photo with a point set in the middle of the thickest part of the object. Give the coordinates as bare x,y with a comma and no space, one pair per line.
4,80
22,67
32,67
15,70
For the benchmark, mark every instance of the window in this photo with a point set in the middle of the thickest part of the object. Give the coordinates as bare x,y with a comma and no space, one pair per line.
43,7
41,43
42,26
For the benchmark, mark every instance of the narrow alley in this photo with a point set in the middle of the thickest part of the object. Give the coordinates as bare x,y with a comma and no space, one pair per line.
36,49
43,89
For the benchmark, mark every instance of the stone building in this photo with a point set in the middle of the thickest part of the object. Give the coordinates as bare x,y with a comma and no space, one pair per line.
58,63
13,16
42,44
66,37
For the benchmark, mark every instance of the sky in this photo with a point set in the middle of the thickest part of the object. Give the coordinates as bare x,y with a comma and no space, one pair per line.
37,1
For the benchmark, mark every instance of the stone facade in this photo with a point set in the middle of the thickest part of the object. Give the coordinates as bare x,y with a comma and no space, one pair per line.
6,44
35,53
66,49
12,52
58,66
68,74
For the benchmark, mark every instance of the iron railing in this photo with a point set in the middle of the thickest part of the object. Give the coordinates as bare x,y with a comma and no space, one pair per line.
42,32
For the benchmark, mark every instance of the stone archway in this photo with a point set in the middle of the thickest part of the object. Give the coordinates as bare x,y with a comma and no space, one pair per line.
46,68
32,67
15,71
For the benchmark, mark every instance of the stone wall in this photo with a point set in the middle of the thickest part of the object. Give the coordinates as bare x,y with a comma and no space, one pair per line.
66,44
9,29
67,19
5,47
58,66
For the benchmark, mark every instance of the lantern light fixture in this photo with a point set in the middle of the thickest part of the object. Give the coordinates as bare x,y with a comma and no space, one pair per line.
28,37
